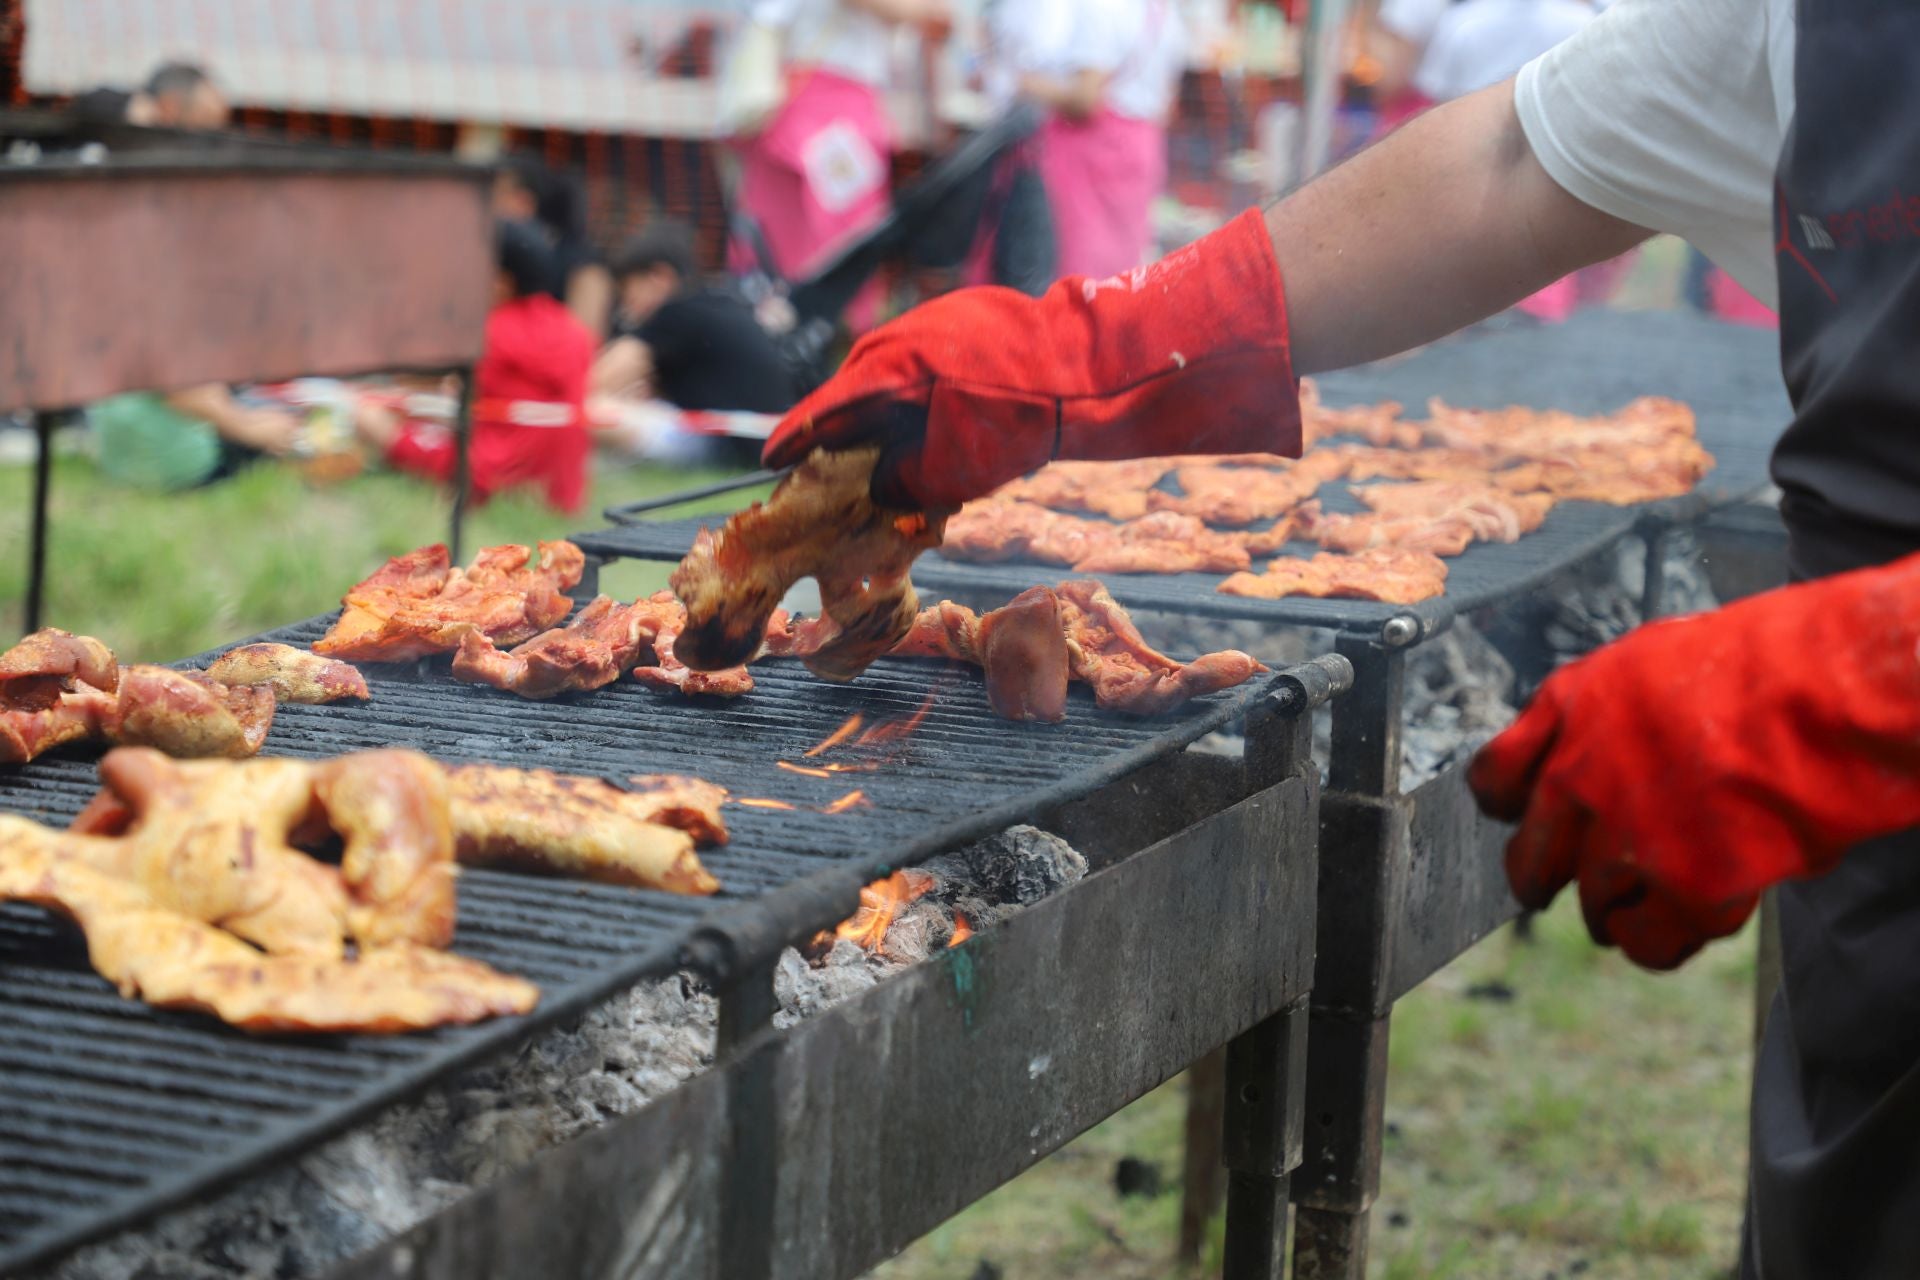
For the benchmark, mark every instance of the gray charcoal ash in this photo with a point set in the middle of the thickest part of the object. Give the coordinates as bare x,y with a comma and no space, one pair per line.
414,1159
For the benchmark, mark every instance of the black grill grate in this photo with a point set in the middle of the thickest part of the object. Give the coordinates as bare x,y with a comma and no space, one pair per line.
114,1110
1592,364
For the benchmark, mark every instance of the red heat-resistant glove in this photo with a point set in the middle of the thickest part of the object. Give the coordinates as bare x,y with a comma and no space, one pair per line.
1678,772
1188,355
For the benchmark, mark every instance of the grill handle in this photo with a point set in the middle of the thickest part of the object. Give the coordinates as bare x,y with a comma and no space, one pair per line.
1299,689
629,512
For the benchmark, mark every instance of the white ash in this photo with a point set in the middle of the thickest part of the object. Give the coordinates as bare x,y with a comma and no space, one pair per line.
413,1160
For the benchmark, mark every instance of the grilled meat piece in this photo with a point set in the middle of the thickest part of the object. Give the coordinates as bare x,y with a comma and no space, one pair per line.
1246,495
1030,647
214,841
687,804
1106,651
293,674
415,605
1117,489
581,827
172,961
1164,542
50,662
820,522
1395,575
668,618
603,640
1437,516
1377,424
180,712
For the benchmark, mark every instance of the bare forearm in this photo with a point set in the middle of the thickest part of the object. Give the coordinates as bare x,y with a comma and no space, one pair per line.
1445,222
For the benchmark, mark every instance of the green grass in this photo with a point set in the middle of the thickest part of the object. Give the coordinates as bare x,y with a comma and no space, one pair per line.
1595,1125
160,576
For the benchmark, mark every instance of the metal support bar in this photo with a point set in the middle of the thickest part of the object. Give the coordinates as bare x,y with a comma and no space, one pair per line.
1340,1169
1653,582
37,537
746,1011
1366,723
462,462
1202,1171
628,512
1266,1093
1323,72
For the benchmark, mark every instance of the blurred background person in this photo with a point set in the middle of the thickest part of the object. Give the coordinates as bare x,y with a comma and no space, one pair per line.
819,168
527,190
181,95
678,341
1108,71
184,439
530,390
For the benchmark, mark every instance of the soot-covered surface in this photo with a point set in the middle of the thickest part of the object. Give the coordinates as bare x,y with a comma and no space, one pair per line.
1595,363
115,1110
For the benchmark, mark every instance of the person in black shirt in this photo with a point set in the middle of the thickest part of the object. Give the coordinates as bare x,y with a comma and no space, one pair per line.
693,347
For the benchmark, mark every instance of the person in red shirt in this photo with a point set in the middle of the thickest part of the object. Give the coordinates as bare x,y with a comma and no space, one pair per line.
530,388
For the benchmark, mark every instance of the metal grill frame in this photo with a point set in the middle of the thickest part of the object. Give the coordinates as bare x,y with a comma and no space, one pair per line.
730,942
1408,882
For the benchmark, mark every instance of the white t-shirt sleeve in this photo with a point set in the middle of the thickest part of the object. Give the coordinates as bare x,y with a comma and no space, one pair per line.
1662,112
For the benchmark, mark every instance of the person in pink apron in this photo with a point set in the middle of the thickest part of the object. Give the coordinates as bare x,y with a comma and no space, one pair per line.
1108,69
817,172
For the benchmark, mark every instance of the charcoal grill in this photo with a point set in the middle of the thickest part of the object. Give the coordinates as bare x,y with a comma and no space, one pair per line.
1410,881
117,1111
152,259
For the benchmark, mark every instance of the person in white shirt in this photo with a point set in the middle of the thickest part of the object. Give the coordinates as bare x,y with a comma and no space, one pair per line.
1107,70
1671,777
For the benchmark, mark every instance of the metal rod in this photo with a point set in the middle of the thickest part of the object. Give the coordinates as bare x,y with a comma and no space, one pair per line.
1653,582
37,544
1322,75
462,462
624,513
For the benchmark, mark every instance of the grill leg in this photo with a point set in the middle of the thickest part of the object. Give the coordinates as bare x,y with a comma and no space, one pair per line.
37,536
746,1009
1266,1090
1346,1069
462,469
1201,1175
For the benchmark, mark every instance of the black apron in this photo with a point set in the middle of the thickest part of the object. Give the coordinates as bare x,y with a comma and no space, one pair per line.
1835,1190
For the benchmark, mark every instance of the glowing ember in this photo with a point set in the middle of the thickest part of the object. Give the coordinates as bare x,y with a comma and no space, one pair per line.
961,930
754,802
851,800
880,902
863,766
807,770
894,730
838,736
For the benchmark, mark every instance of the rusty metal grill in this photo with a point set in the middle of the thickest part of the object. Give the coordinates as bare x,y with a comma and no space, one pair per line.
114,1110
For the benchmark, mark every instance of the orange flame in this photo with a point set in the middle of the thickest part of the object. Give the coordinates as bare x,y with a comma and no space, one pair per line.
806,770
754,802
880,902
838,736
851,800
894,730
863,766
961,930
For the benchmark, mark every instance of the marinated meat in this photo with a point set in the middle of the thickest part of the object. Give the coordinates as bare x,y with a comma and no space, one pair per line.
1105,650
414,605
50,662
821,522
176,962
1377,424
293,674
581,827
215,842
603,640
1116,489
1394,575
1238,496
1166,542
1030,648
1442,517
667,618
180,712
688,804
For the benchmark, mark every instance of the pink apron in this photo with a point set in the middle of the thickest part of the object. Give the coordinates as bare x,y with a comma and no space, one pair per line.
817,175
1101,177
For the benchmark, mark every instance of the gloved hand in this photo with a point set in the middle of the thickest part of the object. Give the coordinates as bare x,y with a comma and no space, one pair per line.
1678,772
980,386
